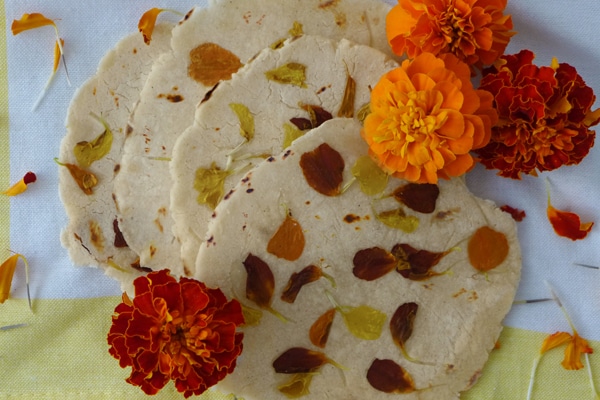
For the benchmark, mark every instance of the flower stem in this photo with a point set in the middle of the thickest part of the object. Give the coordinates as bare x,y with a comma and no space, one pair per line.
532,376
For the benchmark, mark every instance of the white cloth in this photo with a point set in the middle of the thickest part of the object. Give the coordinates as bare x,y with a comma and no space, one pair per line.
566,30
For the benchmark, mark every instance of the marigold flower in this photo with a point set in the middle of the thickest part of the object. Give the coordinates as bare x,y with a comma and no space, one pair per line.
545,116
425,119
576,346
475,31
180,331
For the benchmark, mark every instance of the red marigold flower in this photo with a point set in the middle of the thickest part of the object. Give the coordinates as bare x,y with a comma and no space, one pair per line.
182,331
425,119
545,115
475,31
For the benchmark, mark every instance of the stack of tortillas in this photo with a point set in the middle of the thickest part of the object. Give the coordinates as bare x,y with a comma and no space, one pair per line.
229,150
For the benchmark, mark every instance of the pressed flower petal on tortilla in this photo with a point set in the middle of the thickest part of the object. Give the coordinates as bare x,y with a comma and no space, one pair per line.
21,186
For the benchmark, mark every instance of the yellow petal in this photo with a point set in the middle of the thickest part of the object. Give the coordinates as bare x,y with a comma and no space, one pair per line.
21,186
7,270
30,21
57,54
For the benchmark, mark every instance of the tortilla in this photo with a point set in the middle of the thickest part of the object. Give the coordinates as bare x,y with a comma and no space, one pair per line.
460,309
92,234
231,33
215,144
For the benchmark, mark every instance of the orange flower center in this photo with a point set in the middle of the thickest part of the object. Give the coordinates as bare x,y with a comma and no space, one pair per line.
453,26
541,141
412,123
183,338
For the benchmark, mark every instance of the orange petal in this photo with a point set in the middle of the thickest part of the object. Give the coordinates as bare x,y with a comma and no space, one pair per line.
57,54
555,340
7,270
147,22
567,224
573,352
21,186
30,21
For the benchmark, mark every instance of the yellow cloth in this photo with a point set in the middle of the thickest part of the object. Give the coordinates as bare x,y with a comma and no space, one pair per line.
62,353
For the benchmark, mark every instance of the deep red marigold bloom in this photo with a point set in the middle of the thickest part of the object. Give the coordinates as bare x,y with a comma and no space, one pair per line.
545,116
425,119
182,331
475,31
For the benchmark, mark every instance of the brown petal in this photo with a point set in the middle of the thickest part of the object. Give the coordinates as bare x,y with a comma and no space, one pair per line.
420,197
401,324
260,282
299,360
389,377
373,263
319,330
323,169
416,264
298,280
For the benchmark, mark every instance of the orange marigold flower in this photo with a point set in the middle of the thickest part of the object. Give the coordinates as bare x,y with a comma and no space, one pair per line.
179,330
475,31
545,116
576,346
425,119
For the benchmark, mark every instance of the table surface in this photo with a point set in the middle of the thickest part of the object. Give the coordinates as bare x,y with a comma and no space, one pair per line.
62,352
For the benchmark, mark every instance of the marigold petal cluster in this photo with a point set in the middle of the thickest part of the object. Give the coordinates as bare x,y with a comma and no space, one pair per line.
576,347
545,116
475,31
425,119
176,330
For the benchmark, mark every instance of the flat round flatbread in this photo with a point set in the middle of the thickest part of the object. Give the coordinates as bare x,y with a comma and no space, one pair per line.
89,151
257,113
407,300
208,46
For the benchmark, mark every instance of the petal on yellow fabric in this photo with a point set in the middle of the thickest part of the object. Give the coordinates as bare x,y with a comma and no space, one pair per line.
575,349
7,271
555,340
30,21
